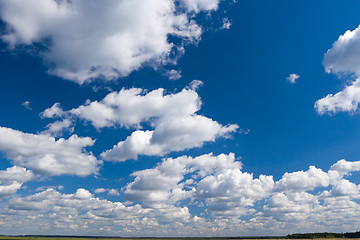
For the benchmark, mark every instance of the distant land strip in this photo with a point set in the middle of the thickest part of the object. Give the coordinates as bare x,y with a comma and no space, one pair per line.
324,235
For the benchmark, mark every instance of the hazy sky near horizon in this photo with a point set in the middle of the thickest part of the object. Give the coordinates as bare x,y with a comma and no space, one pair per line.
179,117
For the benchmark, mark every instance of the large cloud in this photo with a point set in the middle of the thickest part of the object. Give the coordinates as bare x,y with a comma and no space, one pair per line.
123,37
343,59
344,56
176,126
172,135
166,182
46,155
206,195
81,213
131,107
216,180
304,181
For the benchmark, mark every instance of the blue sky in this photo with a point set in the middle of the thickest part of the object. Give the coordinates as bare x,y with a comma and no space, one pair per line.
179,117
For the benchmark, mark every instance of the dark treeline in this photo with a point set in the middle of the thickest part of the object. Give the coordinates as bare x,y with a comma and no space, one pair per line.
323,235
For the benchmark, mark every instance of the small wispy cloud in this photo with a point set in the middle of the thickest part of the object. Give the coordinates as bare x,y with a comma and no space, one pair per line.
226,23
292,78
26,105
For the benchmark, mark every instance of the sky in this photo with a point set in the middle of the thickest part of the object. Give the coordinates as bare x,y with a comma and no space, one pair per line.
179,117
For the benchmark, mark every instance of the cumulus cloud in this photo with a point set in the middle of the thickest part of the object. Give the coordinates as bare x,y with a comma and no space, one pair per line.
124,36
200,5
346,100
81,213
343,59
176,126
12,179
228,200
113,192
292,78
305,181
217,180
161,198
172,135
48,156
130,107
57,128
344,167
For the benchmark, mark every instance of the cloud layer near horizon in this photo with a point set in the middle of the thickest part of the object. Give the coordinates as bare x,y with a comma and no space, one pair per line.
233,202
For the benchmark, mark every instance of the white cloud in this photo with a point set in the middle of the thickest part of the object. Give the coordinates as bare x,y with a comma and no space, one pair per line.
130,107
57,128
113,192
124,36
217,180
26,105
346,100
200,5
195,84
165,184
343,59
171,135
304,181
100,190
46,155
12,179
165,196
54,111
81,213
176,126
292,78
344,167
226,23
173,74
345,188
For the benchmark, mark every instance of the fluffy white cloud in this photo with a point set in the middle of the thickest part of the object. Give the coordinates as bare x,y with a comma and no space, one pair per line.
217,180
344,56
232,193
343,59
292,78
130,107
346,100
165,184
172,135
163,198
82,213
173,116
200,5
304,181
113,192
46,155
57,128
124,36
12,179
344,167
345,188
